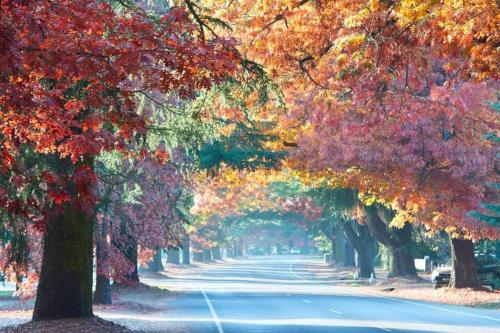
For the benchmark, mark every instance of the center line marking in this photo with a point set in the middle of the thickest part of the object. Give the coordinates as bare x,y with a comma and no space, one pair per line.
212,311
306,301
335,311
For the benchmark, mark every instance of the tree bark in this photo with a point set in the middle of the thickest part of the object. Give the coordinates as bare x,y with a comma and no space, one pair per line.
397,240
360,238
156,265
464,268
230,251
349,260
129,250
186,253
338,244
173,256
333,244
216,252
102,293
198,256
207,255
65,287
238,249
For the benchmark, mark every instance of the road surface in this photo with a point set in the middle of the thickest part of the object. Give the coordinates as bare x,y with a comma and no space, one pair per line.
279,294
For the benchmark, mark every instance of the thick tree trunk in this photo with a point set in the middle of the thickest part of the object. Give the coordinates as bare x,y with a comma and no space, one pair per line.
156,265
186,253
349,260
173,256
65,287
464,270
397,240
360,238
402,260
333,251
230,251
129,250
131,254
238,248
207,255
216,252
338,243
198,256
102,293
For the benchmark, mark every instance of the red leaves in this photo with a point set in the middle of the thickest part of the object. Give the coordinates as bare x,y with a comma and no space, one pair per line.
75,105
58,196
70,71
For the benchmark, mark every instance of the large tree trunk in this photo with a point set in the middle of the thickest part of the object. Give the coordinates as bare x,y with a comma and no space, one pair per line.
131,254
402,260
198,256
333,243
238,249
156,265
186,253
464,270
65,287
129,250
102,293
360,238
207,255
397,240
230,252
173,256
216,252
349,260
338,246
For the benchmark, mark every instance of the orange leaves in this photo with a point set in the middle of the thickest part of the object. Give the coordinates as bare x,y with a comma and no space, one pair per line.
75,105
386,95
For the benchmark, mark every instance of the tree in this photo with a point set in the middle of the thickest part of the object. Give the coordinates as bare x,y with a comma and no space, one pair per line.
393,98
71,72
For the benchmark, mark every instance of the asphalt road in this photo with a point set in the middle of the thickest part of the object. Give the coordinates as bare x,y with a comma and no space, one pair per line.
280,294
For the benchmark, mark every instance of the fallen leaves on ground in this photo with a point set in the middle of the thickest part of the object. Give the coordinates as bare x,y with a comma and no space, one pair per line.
89,325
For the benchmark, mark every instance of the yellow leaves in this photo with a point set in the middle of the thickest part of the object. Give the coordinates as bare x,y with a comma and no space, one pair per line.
402,217
367,199
357,20
411,11
227,130
374,5
349,43
342,59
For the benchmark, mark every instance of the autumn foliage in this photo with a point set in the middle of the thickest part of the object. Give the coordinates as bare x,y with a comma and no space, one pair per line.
395,97
71,74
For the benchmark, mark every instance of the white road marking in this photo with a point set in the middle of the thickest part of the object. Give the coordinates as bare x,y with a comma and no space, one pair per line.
335,311
401,301
306,301
212,311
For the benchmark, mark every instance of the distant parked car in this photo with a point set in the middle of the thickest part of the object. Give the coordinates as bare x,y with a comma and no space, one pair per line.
488,270
283,250
295,250
255,251
441,277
